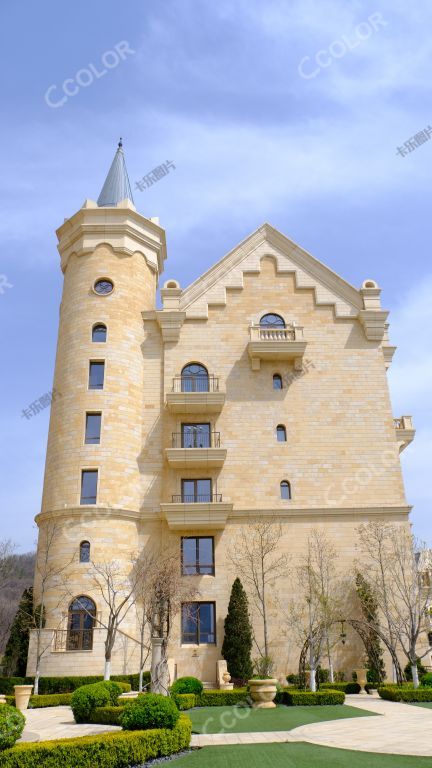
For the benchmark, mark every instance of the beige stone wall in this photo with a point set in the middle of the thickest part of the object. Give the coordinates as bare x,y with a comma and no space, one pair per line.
341,455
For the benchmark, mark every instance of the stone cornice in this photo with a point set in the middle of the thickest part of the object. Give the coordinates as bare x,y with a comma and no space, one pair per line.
89,512
123,229
312,513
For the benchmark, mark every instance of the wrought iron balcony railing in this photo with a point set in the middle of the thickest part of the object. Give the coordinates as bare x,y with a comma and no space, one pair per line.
73,639
196,439
186,384
197,498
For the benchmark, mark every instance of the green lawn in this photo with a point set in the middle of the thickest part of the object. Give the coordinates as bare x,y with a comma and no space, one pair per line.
244,719
426,704
294,756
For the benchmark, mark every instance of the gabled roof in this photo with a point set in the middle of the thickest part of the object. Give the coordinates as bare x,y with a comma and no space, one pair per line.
117,186
309,272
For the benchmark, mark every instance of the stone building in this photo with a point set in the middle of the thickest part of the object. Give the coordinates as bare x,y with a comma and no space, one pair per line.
259,391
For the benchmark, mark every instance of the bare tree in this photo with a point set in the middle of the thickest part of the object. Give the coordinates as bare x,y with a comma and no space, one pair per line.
50,576
316,605
117,588
257,560
162,592
396,566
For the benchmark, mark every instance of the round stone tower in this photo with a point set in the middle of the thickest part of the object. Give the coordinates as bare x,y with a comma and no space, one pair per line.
111,257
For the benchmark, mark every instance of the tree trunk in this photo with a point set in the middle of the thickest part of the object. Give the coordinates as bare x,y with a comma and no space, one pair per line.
107,670
36,681
140,681
415,676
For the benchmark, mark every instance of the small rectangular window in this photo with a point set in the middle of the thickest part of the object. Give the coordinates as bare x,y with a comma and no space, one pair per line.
93,428
199,623
197,553
96,375
89,481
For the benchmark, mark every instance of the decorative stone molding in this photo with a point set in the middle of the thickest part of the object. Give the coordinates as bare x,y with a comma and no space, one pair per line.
405,431
121,228
205,516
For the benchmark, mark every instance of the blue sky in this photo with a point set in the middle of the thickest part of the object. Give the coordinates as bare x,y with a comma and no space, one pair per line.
217,88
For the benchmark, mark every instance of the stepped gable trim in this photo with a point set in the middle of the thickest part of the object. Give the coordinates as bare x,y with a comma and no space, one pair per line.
329,288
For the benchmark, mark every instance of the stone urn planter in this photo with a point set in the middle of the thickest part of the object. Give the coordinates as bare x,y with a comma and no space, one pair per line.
262,692
361,679
22,696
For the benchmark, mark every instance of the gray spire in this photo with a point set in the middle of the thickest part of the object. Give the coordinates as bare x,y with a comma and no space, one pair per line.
117,186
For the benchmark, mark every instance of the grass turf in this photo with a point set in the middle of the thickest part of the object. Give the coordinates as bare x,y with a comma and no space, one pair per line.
244,719
297,755
426,704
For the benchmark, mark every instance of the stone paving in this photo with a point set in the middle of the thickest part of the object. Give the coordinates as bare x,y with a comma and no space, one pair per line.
403,729
48,723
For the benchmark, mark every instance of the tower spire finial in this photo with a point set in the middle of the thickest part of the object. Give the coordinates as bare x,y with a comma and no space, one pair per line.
117,185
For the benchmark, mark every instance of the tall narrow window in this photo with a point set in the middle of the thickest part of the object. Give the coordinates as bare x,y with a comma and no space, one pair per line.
195,436
96,374
81,621
99,332
285,490
197,555
281,433
93,428
199,623
277,381
194,378
196,491
89,480
85,552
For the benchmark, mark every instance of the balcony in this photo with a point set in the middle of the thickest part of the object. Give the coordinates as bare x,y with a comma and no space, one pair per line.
404,430
196,512
195,449
277,343
195,394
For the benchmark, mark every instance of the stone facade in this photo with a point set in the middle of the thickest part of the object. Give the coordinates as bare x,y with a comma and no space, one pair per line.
341,455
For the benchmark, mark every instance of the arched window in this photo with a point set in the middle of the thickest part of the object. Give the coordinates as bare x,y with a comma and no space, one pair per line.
99,332
272,321
277,381
194,378
85,552
285,490
281,433
81,621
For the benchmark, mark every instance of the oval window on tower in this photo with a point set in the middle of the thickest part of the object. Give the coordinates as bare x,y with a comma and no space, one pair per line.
103,286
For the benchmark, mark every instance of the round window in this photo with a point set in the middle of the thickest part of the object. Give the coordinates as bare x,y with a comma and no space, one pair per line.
103,287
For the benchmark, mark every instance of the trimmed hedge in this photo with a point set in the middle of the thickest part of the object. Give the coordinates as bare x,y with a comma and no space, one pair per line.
218,698
184,700
105,750
51,700
12,723
187,685
106,715
405,694
150,711
85,699
310,698
48,685
345,687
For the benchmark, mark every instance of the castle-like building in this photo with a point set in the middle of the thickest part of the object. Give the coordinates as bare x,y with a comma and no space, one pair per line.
259,391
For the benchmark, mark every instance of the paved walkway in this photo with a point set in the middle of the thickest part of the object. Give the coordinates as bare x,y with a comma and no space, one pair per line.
403,729
48,723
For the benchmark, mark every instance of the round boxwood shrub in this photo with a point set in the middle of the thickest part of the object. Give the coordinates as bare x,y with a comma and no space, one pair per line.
114,689
12,723
85,699
187,685
150,711
427,680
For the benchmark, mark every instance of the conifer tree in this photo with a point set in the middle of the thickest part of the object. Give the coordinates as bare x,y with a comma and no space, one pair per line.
374,650
15,656
237,644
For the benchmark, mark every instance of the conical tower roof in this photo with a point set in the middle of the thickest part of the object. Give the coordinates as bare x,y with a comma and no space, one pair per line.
117,186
